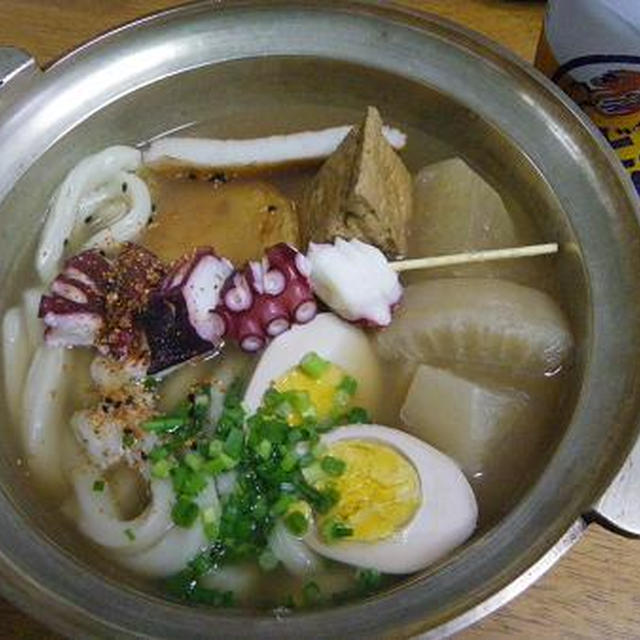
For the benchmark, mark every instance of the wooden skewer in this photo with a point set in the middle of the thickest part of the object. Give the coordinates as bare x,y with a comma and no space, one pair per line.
474,256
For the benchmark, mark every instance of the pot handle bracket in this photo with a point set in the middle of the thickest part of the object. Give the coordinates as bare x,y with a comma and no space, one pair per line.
16,67
619,508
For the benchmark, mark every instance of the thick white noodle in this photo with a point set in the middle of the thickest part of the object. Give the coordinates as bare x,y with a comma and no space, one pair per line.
177,547
89,174
33,324
209,152
294,554
16,355
43,414
134,220
97,199
98,518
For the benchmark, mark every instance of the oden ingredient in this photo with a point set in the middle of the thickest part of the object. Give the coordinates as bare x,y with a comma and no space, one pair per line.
475,321
193,214
457,210
331,338
362,191
461,418
355,280
401,504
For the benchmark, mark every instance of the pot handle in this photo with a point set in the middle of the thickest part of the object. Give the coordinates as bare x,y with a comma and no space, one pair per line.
15,65
619,508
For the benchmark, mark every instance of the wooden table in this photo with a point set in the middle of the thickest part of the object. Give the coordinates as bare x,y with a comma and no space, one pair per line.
594,592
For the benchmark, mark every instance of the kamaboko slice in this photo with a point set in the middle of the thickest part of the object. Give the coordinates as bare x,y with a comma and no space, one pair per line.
477,321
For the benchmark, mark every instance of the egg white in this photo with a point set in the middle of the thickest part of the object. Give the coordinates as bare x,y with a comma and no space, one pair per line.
446,517
344,344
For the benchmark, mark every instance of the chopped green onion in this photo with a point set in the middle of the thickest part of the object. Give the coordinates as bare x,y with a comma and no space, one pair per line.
150,383
311,593
186,481
297,523
201,564
228,461
301,403
329,498
215,448
161,468
209,514
284,409
214,467
276,431
313,365
295,435
333,530
193,461
289,462
234,443
267,560
98,485
341,399
158,453
333,466
368,579
313,473
282,504
184,512
130,534
166,424
210,525
211,530
357,415
264,449
349,385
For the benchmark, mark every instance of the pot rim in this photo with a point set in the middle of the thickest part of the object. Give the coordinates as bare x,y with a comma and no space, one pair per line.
566,530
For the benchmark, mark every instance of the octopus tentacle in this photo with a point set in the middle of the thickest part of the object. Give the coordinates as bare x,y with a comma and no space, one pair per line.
265,298
181,321
74,313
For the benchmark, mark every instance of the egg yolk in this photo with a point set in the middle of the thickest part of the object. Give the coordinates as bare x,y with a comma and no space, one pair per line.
321,390
379,490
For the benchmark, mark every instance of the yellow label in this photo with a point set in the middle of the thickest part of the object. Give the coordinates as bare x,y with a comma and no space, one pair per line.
607,88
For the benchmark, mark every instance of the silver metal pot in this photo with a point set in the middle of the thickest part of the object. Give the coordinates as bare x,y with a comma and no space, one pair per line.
323,60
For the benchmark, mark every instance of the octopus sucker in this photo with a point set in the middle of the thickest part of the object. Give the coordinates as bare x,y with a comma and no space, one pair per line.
266,297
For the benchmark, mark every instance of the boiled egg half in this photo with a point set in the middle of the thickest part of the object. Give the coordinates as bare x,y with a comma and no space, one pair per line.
402,504
344,346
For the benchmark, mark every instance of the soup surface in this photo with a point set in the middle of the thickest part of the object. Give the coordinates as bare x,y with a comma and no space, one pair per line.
244,418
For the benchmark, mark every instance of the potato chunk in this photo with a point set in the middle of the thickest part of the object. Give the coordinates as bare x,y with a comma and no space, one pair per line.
363,191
